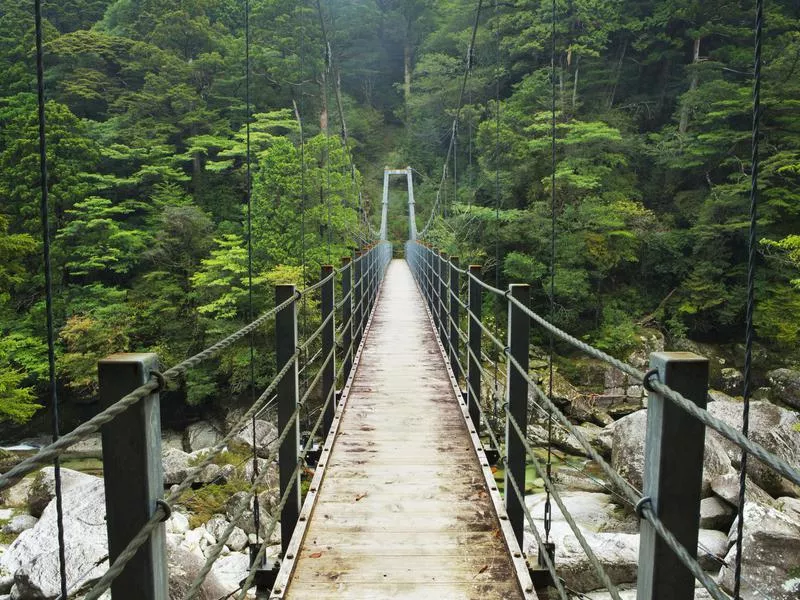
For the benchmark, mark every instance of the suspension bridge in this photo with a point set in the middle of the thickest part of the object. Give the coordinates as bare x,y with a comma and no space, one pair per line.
403,502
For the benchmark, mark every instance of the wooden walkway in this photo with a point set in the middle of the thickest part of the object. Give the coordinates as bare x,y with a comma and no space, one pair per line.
403,505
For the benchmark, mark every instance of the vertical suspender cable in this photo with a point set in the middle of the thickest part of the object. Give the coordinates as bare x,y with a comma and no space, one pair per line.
48,279
303,204
751,275
547,505
249,185
470,178
496,184
455,164
327,67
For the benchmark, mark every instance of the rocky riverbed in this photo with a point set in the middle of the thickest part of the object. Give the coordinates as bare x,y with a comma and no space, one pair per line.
609,410
28,542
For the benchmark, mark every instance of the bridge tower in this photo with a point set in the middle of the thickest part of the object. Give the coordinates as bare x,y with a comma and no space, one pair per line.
412,220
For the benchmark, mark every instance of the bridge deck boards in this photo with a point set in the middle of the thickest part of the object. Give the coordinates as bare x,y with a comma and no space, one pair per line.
403,509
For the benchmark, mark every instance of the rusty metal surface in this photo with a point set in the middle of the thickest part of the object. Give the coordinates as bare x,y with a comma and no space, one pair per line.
403,508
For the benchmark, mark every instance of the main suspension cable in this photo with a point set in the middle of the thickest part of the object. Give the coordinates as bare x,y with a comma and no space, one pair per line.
48,279
751,276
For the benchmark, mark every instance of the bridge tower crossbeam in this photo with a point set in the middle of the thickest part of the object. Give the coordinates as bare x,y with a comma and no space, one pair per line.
412,220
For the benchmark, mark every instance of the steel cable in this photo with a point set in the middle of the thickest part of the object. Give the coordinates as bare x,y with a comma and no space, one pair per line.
44,207
49,452
144,533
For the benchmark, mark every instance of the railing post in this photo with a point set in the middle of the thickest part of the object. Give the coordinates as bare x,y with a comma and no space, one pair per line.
328,342
365,273
372,288
358,303
455,314
428,262
474,360
285,348
428,252
443,269
347,313
673,473
519,326
134,479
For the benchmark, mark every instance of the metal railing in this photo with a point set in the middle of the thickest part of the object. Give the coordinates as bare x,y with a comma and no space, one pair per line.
677,383
131,427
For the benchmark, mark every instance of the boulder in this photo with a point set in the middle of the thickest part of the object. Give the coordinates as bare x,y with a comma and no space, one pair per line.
177,465
19,524
775,428
561,439
770,555
700,593
785,386
184,566
574,480
627,455
237,540
591,510
17,494
248,468
618,553
712,546
171,439
43,487
231,570
624,394
716,514
727,488
790,506
217,525
178,523
200,435
266,437
32,558
598,437
240,501
731,381
91,446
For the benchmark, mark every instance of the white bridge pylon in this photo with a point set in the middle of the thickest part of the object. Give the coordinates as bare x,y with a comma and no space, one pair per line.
412,220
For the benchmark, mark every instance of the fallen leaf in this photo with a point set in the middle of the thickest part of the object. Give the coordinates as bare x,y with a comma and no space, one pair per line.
483,568
360,496
315,555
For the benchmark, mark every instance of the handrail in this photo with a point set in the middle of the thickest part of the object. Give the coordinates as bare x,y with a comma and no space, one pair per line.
373,269
433,271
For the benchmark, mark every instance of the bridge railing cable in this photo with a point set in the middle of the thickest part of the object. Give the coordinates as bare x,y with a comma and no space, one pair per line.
433,273
361,287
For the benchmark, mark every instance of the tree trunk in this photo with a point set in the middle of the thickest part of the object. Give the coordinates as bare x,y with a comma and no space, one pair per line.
407,71
575,83
684,124
617,75
323,113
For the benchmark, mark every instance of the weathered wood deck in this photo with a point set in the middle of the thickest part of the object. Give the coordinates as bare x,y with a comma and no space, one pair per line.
405,506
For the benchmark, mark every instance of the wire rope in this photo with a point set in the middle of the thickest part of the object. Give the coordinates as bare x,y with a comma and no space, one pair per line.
751,300
48,277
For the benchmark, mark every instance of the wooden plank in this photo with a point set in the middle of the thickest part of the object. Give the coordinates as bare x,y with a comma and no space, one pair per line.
402,507
409,591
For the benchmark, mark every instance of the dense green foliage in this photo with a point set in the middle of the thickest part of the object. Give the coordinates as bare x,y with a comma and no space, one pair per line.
146,117
653,104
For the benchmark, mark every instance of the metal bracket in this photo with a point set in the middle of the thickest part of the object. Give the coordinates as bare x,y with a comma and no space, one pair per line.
265,575
540,575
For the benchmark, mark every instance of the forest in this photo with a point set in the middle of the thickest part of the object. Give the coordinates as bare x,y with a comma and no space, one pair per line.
148,179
